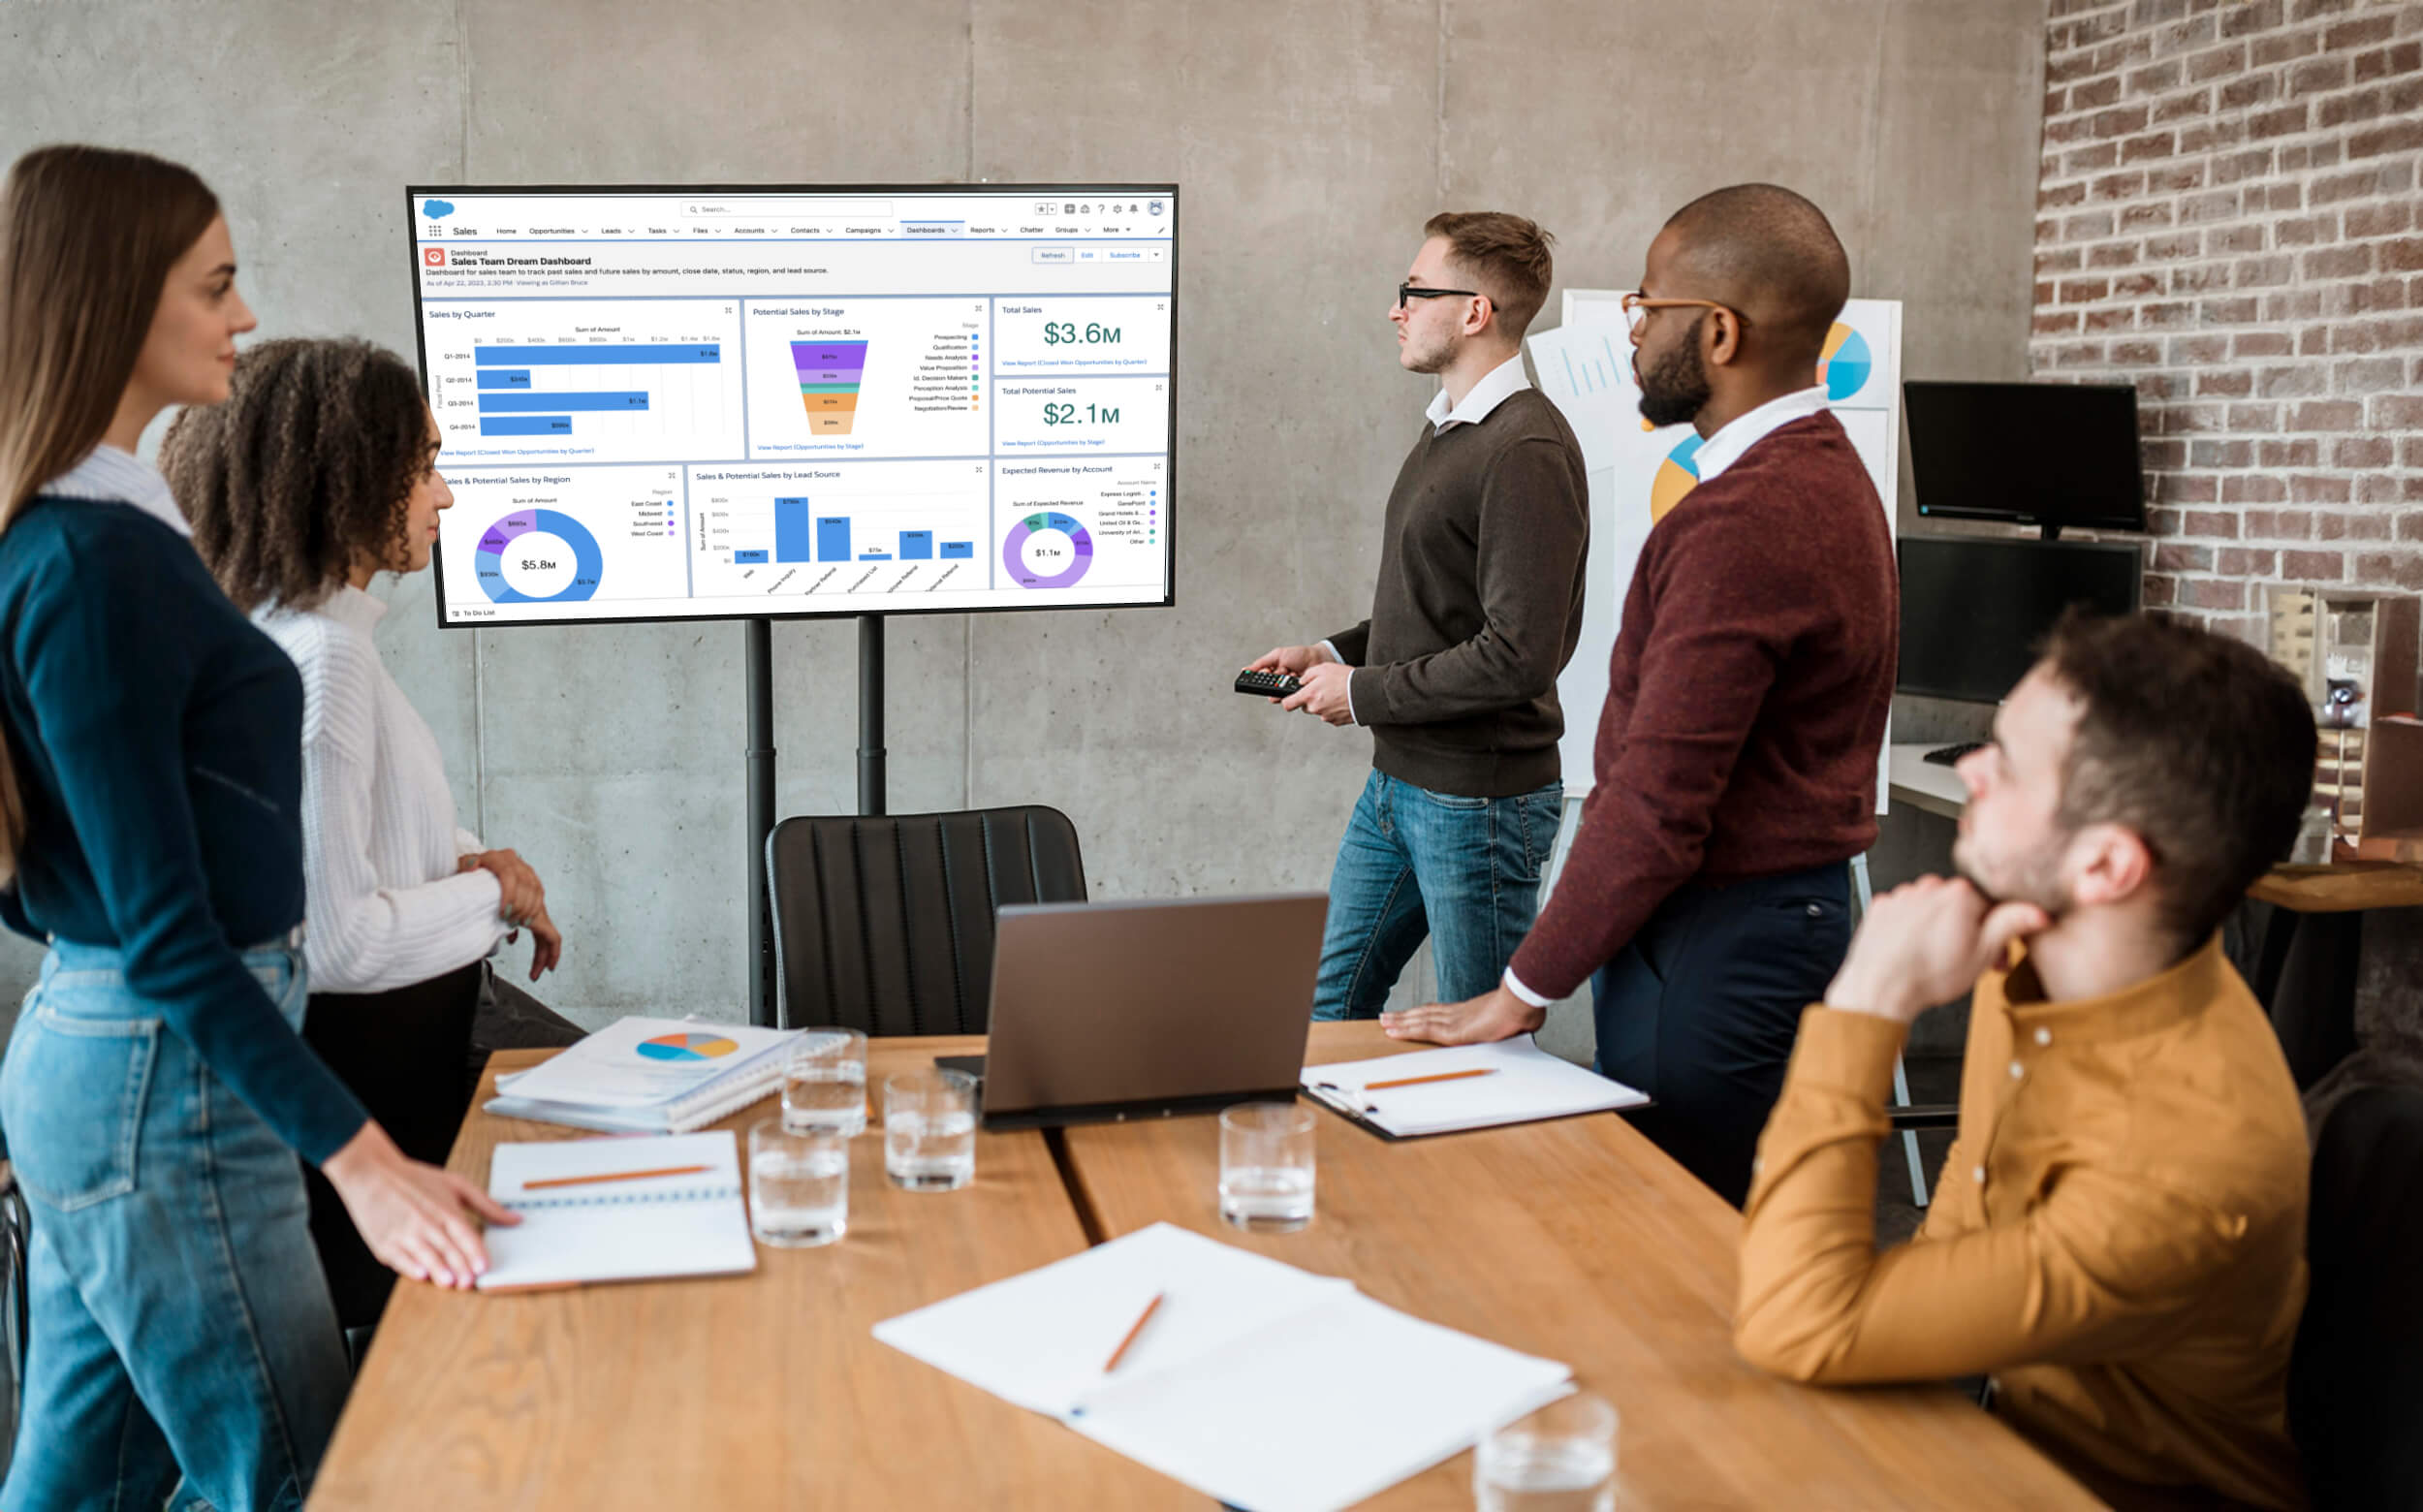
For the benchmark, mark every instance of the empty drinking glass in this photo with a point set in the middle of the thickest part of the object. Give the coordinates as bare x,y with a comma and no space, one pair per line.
824,1082
799,1184
1560,1458
930,1129
1266,1167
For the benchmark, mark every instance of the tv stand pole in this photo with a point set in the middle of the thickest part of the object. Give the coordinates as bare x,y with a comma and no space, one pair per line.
759,756
870,751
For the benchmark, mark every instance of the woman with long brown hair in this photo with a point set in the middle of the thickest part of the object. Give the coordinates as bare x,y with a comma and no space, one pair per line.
155,1092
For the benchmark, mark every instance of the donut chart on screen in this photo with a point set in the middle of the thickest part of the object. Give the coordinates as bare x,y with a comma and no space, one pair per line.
588,563
1014,557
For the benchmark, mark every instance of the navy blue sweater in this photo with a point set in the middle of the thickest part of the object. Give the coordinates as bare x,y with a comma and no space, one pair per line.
158,744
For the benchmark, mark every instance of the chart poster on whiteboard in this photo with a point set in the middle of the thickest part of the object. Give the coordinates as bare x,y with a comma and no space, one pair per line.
1640,473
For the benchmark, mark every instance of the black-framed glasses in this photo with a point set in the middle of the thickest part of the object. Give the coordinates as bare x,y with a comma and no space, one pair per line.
1406,292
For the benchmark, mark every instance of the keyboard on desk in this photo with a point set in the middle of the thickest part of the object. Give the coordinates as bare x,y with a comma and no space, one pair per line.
1946,755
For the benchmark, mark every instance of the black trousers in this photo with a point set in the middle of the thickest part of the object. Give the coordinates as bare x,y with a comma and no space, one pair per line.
402,1053
1700,1011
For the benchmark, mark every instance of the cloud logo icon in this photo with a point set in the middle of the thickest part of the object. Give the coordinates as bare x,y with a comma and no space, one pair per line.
436,209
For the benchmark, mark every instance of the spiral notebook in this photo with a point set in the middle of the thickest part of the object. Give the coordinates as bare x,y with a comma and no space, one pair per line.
648,1076
577,1228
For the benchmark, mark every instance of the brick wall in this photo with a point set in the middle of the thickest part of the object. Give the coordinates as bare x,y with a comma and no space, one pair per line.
2229,217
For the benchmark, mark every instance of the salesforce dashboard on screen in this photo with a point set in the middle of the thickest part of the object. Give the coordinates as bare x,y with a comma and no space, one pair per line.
676,403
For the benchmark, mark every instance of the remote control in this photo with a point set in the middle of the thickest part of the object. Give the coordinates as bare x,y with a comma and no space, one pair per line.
1268,684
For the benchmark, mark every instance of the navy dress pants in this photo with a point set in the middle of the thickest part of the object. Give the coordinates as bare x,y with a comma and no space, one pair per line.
1700,1011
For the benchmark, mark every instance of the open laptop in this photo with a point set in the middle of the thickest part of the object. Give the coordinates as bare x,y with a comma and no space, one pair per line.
1138,1010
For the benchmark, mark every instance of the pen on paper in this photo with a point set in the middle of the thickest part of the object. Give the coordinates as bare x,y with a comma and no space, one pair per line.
1142,1318
1443,1076
611,1176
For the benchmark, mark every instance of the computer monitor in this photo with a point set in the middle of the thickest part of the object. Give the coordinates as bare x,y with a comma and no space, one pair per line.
1975,611
690,402
2053,455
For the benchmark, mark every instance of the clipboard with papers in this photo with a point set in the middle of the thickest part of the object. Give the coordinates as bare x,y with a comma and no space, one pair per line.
1463,1086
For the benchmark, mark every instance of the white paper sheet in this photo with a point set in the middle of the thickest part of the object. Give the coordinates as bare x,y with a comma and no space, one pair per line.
1255,1382
1324,1410
1040,1340
618,1231
1526,1084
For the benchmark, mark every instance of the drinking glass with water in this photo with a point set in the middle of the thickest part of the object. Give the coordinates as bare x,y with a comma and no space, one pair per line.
1560,1458
930,1130
1266,1167
799,1185
824,1082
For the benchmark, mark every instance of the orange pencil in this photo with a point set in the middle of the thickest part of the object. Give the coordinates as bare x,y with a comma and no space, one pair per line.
1121,1353
1417,1081
611,1176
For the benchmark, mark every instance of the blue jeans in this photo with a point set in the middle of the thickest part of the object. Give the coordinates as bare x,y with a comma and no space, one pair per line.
179,1322
1466,871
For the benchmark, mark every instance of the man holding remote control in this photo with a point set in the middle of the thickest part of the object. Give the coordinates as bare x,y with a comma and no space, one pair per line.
1706,896
1477,610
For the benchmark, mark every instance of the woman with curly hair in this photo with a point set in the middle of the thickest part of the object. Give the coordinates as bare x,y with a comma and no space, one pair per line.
155,1092
318,473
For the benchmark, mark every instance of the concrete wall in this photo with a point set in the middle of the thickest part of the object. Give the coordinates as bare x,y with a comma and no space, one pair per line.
1311,140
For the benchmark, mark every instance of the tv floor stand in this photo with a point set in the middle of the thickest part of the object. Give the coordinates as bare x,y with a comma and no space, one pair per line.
759,758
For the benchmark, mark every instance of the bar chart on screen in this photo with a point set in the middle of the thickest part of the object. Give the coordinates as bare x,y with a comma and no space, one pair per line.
586,380
877,531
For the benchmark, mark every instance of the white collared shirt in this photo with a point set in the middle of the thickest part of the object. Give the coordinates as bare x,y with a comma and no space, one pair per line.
109,474
1743,432
1718,452
1495,388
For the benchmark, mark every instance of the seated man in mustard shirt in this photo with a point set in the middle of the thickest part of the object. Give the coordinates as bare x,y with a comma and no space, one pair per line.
2118,1235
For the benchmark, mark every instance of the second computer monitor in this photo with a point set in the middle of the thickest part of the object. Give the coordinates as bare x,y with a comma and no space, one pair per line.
1974,612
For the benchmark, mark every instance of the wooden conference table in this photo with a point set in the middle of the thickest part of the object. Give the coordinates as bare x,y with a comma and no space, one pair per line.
1576,1240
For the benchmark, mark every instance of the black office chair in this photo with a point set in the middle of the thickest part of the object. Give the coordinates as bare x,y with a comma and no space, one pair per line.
2356,1379
885,924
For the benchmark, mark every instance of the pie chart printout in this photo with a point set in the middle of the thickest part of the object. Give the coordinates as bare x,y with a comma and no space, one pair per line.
1676,475
688,1047
1846,364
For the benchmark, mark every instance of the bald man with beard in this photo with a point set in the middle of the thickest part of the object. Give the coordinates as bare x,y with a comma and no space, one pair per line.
1705,895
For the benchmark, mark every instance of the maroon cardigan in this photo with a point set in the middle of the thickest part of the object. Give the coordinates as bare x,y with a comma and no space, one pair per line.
1746,701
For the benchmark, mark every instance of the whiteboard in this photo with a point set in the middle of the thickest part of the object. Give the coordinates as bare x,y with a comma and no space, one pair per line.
1638,473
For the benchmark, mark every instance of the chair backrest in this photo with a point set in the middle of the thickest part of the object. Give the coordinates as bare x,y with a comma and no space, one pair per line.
885,924
2355,1379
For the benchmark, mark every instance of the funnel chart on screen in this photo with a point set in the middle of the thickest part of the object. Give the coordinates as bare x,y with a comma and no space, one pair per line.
667,403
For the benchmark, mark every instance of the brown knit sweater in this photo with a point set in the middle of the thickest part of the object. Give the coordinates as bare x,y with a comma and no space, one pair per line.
1478,605
1746,698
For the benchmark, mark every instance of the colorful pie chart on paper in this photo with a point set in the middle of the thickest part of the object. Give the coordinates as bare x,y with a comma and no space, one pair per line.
1676,475
688,1047
1845,366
